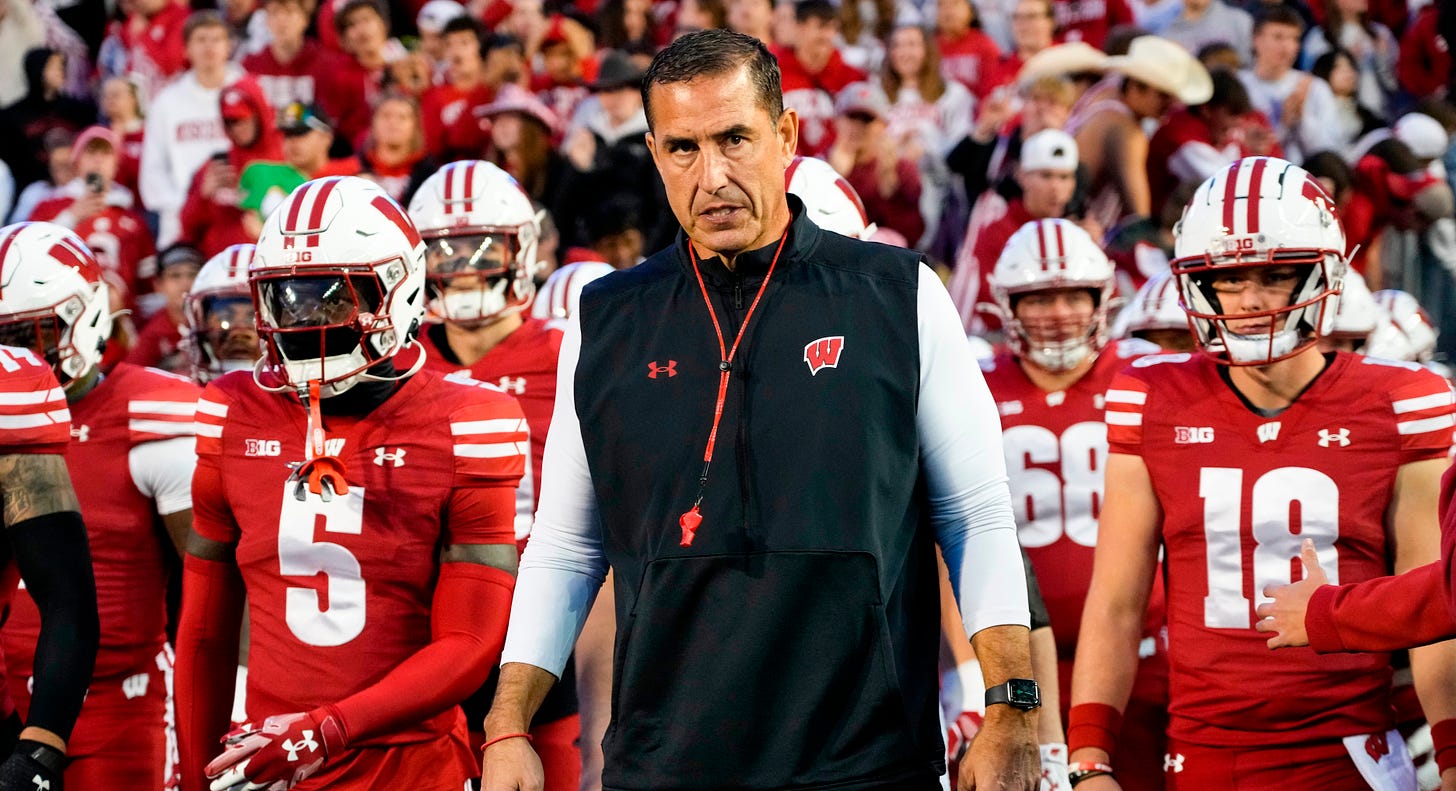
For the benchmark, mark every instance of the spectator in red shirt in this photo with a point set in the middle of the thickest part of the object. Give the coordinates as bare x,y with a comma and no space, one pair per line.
814,73
1195,143
1033,29
394,153
121,107
452,127
211,218
871,161
1092,20
158,343
292,68
363,27
1425,56
104,215
966,54
153,37
566,50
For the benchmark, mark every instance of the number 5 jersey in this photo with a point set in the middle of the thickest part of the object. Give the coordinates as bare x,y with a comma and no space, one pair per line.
1239,492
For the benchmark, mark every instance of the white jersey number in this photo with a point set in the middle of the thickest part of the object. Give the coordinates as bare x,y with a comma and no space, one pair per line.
299,555
1281,502
1046,505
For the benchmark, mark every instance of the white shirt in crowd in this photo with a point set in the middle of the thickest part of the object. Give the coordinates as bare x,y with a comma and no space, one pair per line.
184,128
1314,133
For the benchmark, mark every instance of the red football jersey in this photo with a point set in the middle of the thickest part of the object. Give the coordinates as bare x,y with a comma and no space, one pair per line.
339,590
523,365
1239,492
813,94
132,406
119,238
298,80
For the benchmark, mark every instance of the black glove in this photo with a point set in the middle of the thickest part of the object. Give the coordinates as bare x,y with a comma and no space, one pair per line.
33,767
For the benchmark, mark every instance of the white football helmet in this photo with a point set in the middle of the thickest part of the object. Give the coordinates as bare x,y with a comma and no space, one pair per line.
832,204
1416,333
1154,307
1361,321
338,278
219,332
481,233
1052,254
53,298
560,296
1257,212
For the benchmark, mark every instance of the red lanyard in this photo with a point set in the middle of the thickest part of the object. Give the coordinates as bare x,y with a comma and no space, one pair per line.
693,517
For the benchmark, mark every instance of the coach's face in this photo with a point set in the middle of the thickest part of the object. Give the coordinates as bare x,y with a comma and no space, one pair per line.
722,159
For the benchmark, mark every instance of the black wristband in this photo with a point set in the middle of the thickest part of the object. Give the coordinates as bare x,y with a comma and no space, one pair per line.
52,759
1077,776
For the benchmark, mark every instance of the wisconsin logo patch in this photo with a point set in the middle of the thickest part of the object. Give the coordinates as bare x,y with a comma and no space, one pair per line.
823,353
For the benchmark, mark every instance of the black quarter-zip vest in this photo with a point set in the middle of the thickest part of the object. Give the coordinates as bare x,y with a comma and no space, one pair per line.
794,643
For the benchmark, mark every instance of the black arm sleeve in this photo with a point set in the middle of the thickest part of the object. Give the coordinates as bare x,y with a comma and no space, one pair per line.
1039,617
55,561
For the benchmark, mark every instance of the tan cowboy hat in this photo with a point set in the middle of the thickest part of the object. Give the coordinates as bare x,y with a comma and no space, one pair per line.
1063,59
1167,66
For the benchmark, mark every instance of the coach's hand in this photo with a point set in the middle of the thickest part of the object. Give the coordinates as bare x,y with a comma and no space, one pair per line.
33,765
1004,755
511,765
1285,615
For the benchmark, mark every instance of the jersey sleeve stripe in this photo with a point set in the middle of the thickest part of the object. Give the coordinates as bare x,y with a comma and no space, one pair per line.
1428,424
493,450
165,427
212,408
31,397
1424,402
1126,397
1124,418
14,422
183,408
493,426
208,430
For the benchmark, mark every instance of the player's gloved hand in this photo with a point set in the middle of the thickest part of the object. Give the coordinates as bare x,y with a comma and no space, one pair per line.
33,766
1054,768
283,753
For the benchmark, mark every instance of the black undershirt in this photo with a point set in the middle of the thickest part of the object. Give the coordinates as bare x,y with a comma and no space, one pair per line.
1223,373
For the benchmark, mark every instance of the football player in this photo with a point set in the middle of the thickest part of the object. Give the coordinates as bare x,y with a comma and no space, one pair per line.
1360,324
47,548
1229,458
480,234
365,512
1052,287
131,450
1155,316
219,335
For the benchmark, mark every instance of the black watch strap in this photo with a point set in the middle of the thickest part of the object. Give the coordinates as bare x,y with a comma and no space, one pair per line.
1018,693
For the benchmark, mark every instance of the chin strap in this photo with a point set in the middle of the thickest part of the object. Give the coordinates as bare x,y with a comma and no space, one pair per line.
400,375
322,474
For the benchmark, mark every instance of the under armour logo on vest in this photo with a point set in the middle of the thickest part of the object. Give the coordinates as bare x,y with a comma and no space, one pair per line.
653,369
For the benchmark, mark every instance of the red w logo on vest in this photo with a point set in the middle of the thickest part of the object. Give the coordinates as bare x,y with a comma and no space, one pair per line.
823,353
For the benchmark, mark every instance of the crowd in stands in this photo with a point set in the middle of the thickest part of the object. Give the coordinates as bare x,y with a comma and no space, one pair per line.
177,129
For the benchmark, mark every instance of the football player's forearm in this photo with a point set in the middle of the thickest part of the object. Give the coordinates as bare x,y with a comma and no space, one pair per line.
468,621
1044,670
1433,668
518,696
207,656
1381,614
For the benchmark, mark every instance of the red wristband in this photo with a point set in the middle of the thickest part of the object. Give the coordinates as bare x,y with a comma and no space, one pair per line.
502,738
1094,725
1443,736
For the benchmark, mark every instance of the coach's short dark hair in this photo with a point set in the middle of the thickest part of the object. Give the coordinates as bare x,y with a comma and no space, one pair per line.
1278,15
715,52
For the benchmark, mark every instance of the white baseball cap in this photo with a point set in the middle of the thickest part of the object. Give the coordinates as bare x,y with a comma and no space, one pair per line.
436,14
1424,135
1049,149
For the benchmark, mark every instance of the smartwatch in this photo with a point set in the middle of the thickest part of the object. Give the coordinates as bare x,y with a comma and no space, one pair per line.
1018,693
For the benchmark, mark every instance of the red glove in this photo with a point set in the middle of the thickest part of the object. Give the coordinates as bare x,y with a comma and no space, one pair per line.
283,753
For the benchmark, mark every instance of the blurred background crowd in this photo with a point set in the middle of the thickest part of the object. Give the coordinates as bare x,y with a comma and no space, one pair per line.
163,132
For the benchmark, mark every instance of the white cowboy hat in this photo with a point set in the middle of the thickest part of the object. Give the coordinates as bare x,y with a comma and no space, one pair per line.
1062,59
1166,66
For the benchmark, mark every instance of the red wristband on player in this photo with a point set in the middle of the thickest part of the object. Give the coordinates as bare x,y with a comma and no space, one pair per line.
1443,735
1094,725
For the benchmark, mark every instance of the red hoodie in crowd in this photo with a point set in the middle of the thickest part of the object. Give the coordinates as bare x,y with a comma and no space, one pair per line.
211,223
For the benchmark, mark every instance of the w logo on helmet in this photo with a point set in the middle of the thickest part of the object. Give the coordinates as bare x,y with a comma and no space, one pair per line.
823,353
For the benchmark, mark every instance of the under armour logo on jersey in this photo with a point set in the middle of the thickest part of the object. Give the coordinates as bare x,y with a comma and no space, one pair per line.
135,686
823,353
80,433
41,784
1341,436
1268,432
513,384
382,455
1173,763
670,370
308,743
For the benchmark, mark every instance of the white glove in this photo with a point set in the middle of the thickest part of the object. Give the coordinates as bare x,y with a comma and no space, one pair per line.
1054,768
962,689
1423,754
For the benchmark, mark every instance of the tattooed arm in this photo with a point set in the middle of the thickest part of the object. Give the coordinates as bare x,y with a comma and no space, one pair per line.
48,541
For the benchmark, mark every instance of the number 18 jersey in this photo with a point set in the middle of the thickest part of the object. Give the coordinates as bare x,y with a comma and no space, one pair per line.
1239,492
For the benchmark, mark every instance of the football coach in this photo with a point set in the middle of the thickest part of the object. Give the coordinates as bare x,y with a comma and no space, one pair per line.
764,430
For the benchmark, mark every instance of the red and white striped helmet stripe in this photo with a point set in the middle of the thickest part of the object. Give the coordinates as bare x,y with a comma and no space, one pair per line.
305,212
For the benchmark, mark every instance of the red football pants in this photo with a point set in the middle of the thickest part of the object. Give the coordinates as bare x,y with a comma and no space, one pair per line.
1326,766
440,765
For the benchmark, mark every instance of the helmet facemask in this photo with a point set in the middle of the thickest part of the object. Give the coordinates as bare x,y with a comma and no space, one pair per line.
1271,334
1057,346
222,335
476,279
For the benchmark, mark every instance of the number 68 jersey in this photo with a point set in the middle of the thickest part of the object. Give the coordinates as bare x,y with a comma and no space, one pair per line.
339,590
1239,492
